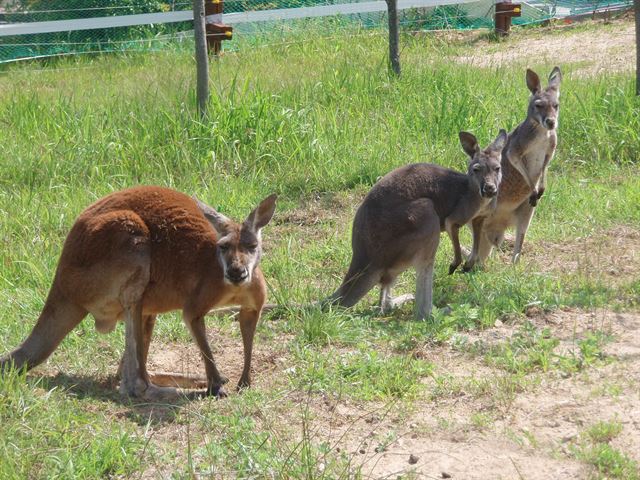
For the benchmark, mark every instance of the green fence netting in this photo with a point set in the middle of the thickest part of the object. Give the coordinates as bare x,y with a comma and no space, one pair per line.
473,15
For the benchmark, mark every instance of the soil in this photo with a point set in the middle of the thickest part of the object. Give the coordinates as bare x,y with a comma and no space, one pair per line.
466,432
592,52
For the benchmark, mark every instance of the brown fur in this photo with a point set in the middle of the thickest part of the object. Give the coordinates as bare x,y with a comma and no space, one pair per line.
133,255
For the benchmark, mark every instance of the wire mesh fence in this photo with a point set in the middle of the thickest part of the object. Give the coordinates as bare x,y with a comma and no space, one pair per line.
176,34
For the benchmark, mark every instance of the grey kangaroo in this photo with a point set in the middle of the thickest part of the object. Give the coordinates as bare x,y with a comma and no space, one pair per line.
525,159
399,222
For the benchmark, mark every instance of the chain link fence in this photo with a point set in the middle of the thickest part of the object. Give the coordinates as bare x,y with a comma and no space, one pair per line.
156,36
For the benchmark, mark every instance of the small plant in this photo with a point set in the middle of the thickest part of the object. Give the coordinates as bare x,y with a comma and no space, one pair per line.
320,328
595,449
531,349
364,374
604,432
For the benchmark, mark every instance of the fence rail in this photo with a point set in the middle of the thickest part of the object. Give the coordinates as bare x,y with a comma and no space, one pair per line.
39,33
29,28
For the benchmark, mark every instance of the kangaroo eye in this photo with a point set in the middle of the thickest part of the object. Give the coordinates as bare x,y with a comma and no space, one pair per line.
555,106
497,169
223,246
252,247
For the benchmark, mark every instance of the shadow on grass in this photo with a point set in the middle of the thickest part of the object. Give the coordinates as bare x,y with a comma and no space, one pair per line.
105,389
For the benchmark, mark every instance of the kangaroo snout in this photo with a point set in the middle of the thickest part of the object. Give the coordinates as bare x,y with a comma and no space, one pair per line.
489,190
550,123
237,275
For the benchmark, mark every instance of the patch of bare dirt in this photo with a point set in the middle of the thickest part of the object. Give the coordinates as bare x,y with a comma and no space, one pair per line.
607,49
474,424
184,358
612,256
321,209
467,434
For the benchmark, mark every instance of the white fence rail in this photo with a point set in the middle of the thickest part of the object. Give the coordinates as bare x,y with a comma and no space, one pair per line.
229,18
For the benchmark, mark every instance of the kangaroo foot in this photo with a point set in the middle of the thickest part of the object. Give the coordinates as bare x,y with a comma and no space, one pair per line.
243,384
216,390
400,300
453,266
154,393
140,389
179,380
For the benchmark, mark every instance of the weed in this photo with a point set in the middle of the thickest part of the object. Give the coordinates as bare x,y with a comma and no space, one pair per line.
363,374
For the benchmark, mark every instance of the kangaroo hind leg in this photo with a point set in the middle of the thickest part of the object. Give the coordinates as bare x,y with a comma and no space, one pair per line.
424,262
523,214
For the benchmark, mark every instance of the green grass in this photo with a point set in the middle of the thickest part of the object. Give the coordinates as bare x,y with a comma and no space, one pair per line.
49,434
608,462
317,122
364,374
532,349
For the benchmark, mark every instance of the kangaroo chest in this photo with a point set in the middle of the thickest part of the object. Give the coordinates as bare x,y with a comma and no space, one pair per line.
531,154
535,154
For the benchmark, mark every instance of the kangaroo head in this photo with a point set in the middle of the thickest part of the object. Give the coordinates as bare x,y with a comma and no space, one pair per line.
485,170
239,246
544,106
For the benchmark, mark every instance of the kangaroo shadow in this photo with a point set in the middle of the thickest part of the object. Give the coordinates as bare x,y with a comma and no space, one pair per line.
105,389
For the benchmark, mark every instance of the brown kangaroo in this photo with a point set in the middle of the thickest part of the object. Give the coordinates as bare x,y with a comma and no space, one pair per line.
525,160
143,251
399,222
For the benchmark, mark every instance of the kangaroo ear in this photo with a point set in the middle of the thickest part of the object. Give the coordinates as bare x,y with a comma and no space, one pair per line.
500,141
219,222
533,81
555,78
469,143
262,214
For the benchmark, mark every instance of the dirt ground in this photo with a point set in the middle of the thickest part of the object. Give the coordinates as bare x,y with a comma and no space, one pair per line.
592,52
474,429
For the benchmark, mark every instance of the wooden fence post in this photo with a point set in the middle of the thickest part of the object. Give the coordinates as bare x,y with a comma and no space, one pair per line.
216,30
637,8
202,59
394,36
504,11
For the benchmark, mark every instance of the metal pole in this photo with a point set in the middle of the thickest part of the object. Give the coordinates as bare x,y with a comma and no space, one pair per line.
637,5
394,36
202,59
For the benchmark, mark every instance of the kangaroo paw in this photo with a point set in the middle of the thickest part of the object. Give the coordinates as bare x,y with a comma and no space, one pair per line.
533,199
243,385
468,266
216,391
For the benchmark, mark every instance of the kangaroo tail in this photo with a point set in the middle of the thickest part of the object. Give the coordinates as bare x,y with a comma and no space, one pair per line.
59,316
356,284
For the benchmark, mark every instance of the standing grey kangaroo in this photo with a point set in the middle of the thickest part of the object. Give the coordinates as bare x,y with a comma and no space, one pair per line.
525,160
399,222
